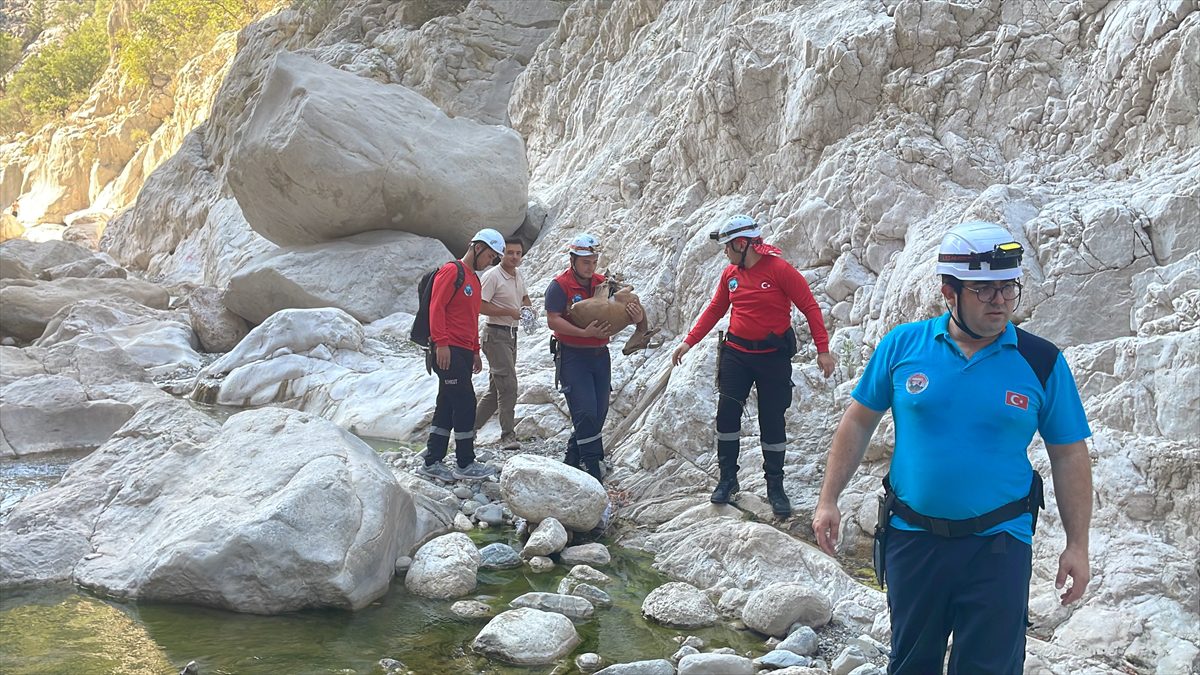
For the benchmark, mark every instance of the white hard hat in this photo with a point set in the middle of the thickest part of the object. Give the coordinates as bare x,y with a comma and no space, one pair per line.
584,245
492,238
980,251
737,226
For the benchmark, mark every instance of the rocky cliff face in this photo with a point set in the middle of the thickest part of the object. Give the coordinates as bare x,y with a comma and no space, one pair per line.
857,132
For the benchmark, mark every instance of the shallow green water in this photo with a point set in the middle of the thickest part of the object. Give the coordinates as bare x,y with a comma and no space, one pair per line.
67,631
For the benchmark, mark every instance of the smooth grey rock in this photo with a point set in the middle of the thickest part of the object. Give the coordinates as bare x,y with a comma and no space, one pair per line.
802,641
587,554
537,488
462,492
499,556
849,659
343,274
471,609
781,658
527,637
679,605
387,158
178,511
594,595
548,537
715,664
588,662
492,514
217,328
772,610
682,652
445,567
649,667
46,413
867,669
571,606
589,575
540,563
27,309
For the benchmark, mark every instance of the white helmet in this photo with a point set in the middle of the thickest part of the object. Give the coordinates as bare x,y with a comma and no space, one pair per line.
492,238
979,251
584,245
737,226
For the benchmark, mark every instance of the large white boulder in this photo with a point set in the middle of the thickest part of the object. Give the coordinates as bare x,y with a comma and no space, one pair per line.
218,329
527,637
39,256
160,341
537,488
327,154
45,413
28,308
445,567
369,275
175,509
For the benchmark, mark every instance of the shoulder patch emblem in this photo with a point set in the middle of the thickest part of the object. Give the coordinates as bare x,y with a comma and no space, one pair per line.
1016,400
917,382
733,284
468,291
577,298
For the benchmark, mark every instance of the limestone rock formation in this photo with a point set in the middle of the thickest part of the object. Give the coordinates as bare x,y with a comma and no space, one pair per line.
328,154
537,488
178,511
369,275
29,308
679,605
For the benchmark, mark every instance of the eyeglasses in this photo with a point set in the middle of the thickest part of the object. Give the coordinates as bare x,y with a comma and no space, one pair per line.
988,293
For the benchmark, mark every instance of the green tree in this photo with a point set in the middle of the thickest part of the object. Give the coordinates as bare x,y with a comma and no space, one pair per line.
166,33
10,55
58,76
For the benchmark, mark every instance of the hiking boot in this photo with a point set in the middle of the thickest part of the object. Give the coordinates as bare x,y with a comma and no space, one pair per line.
726,489
474,471
592,466
436,471
510,442
780,506
572,458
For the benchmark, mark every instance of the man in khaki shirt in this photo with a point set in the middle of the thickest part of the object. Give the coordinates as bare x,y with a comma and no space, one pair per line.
503,295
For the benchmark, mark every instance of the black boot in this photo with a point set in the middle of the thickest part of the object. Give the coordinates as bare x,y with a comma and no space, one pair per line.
728,486
593,468
572,457
773,471
778,498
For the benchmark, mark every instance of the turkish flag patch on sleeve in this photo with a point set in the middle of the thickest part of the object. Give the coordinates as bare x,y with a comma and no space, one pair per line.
1016,400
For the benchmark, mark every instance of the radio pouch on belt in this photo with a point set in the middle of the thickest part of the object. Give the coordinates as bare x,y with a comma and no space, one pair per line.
878,546
720,352
554,352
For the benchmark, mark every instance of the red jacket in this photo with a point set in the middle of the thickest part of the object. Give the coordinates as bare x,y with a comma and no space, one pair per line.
762,298
576,292
454,317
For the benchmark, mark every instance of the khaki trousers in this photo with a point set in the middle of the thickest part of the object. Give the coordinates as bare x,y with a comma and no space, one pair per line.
499,346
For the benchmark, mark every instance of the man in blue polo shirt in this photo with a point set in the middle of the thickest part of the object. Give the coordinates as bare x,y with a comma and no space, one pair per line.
967,391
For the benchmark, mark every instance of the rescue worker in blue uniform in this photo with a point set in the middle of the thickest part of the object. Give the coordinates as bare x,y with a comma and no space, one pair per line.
584,367
967,391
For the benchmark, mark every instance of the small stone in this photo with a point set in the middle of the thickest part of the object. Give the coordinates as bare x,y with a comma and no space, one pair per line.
192,668
803,641
463,523
499,556
589,575
483,525
593,595
725,650
491,514
693,641
848,660
470,506
481,498
870,647
490,490
570,606
93,556
650,667
471,609
588,662
716,663
402,564
781,658
463,492
540,563
682,652
867,669
588,554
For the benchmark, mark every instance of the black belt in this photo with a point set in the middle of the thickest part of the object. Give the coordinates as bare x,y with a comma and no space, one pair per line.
944,527
506,329
785,343
581,348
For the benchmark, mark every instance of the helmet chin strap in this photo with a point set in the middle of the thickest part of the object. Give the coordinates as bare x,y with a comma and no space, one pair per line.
475,255
958,322
742,262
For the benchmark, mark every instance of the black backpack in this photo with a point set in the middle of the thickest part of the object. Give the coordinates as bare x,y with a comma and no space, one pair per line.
420,328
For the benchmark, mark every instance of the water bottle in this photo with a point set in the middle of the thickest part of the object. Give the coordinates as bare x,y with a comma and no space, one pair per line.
527,319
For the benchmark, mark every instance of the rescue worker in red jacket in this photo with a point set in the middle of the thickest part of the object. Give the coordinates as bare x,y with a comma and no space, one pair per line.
761,287
454,334
584,367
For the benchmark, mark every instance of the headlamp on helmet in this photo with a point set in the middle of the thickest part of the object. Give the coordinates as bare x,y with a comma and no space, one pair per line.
980,251
735,227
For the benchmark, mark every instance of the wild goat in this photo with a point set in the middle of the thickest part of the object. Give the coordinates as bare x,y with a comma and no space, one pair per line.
608,305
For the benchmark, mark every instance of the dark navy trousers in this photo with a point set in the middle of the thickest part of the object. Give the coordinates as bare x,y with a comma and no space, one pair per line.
976,588
585,377
454,412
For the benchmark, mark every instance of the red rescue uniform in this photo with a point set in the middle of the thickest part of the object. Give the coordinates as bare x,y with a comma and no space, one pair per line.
576,292
454,316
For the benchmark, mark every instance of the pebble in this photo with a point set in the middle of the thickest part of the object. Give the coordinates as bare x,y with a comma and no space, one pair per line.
463,492
540,563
